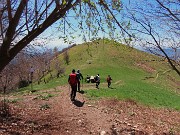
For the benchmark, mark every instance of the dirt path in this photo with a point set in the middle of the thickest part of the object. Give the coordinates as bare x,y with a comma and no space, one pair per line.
59,116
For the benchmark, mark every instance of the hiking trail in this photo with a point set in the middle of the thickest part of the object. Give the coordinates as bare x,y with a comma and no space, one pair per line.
59,116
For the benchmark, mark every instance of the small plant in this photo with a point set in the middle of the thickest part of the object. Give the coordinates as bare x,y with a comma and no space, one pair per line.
44,107
11,100
14,101
171,132
23,83
46,97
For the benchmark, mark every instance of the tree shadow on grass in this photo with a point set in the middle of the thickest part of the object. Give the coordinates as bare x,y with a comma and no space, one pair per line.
78,103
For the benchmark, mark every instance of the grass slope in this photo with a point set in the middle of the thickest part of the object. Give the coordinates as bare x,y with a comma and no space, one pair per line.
136,75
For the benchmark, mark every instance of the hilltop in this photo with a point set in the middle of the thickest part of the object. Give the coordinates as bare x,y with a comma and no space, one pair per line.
122,62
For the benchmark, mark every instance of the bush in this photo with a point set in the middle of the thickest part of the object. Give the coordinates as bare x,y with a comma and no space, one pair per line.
23,83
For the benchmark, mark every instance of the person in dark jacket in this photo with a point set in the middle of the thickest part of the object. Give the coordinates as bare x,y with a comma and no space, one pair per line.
97,79
79,76
73,80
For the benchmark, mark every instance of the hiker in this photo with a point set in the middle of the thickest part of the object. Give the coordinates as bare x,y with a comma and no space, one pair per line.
31,74
97,79
92,79
31,71
109,80
79,76
73,80
87,79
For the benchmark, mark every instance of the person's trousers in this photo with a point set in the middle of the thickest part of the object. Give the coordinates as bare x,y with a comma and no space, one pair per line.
109,83
97,84
79,85
73,92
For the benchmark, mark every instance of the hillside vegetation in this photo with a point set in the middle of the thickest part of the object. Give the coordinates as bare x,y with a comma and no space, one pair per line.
136,75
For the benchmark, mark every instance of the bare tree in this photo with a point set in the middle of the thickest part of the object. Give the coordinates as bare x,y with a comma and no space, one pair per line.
157,26
8,78
66,57
58,67
56,52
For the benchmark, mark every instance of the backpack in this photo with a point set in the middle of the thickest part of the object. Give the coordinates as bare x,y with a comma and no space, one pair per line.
97,79
78,76
73,79
109,79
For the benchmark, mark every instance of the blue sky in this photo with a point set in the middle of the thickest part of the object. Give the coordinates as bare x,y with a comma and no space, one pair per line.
57,40
56,35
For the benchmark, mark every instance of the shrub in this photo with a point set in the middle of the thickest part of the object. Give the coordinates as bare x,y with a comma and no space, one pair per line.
23,83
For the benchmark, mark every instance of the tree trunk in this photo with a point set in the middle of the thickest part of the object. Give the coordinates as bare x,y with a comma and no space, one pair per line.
4,60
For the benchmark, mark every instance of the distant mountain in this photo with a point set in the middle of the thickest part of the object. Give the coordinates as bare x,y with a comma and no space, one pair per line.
169,51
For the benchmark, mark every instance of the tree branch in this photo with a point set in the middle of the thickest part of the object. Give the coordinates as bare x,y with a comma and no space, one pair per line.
12,27
106,7
161,4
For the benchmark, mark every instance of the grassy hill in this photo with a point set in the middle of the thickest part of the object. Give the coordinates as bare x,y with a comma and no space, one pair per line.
136,75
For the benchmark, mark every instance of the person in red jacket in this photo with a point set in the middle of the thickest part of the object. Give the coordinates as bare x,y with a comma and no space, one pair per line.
73,80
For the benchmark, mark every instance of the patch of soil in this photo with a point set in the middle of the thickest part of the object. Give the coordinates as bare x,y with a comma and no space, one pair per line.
176,82
146,67
59,116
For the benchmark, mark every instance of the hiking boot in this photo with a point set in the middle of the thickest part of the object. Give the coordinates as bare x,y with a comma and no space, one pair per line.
72,100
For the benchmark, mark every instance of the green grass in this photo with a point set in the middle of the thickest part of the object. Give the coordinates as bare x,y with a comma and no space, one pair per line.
45,96
133,72
51,84
44,107
42,86
147,94
12,100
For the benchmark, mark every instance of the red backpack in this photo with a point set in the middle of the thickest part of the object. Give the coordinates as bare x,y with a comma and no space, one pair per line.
73,79
108,79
